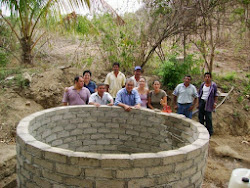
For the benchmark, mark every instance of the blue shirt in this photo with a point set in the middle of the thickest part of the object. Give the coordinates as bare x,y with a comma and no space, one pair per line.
91,86
130,99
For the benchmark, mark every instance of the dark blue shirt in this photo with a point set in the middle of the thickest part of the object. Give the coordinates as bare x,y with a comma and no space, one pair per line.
91,86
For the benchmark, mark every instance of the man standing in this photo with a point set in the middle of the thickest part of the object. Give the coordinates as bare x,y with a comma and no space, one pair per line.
208,97
101,97
128,97
137,75
77,94
185,97
115,80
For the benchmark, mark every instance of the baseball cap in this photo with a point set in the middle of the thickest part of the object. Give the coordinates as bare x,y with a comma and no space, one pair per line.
137,68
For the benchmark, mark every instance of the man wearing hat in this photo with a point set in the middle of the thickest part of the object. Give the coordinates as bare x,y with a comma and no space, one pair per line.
137,75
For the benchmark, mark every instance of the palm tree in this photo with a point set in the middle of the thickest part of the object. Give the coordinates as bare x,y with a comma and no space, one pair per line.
28,14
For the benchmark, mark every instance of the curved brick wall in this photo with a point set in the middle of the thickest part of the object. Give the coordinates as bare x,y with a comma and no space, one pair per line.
86,146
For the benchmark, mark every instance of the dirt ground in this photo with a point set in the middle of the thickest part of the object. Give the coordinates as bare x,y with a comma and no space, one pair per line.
229,146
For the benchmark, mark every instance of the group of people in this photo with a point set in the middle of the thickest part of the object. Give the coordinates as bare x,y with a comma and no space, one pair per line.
134,93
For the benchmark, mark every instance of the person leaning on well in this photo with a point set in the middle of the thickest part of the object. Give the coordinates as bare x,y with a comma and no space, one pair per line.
77,94
128,97
157,98
207,102
185,97
101,97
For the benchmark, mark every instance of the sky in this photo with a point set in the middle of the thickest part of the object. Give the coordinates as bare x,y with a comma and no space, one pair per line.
123,6
120,6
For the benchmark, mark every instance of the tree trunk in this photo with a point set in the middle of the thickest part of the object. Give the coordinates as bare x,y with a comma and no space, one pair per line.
26,50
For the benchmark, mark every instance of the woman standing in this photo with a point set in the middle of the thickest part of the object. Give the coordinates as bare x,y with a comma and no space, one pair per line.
87,82
157,98
143,92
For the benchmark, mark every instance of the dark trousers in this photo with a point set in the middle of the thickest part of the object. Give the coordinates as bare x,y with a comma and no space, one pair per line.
205,116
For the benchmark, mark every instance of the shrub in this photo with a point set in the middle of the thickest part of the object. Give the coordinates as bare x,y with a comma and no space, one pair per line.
173,70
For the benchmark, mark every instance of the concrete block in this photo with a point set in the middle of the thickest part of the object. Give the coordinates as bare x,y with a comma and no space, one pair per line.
160,170
68,169
99,173
110,184
130,173
143,182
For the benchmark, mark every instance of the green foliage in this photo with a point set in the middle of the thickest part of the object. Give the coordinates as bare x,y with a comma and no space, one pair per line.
231,76
3,58
18,79
5,41
172,71
118,43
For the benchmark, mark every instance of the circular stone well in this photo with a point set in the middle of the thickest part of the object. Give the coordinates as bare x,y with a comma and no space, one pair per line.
86,146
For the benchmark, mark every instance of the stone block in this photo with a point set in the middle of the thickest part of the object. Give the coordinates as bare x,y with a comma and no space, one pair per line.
196,177
56,143
132,132
51,138
151,171
68,169
111,135
76,132
131,173
69,181
52,176
104,130
167,178
62,134
114,163
56,129
112,125
110,184
44,163
97,136
183,165
99,173
84,162
42,182
189,172
90,130
143,182
97,125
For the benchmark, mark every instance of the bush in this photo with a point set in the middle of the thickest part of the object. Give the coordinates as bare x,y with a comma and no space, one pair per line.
173,70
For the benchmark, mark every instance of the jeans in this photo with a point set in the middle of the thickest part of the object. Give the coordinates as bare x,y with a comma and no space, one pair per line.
184,109
205,116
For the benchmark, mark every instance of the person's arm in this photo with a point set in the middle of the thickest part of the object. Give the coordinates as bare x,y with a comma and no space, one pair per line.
65,99
163,101
137,100
66,89
215,96
126,107
149,101
110,99
215,101
95,104
106,82
175,102
118,102
194,104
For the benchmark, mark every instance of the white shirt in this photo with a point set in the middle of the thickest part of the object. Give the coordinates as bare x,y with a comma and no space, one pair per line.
104,100
136,84
205,92
185,94
115,83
